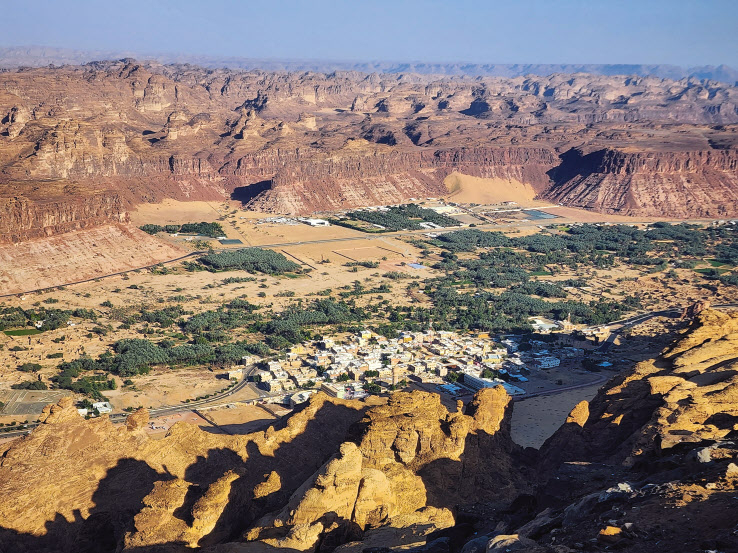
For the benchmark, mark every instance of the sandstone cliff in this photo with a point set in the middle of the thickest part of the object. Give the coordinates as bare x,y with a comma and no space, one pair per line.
649,464
200,489
103,474
392,177
305,142
23,218
683,184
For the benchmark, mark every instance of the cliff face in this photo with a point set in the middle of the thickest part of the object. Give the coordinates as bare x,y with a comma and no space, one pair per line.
103,475
284,488
687,396
678,184
656,447
393,177
22,218
84,254
305,142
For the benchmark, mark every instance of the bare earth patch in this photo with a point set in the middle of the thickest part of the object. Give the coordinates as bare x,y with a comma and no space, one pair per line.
166,387
537,418
175,212
78,256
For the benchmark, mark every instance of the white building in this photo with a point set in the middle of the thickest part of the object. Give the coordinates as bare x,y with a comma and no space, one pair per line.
543,326
510,345
102,407
548,362
317,222
300,397
235,374
477,383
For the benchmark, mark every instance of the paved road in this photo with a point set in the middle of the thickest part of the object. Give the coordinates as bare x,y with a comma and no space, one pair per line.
165,410
636,320
553,391
368,236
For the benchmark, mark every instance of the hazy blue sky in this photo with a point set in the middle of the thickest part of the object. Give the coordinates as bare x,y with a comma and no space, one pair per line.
681,32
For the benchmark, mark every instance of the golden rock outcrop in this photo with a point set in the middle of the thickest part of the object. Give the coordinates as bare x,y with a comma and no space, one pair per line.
656,445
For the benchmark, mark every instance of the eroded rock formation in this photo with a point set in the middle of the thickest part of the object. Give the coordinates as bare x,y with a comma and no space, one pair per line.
125,132
654,449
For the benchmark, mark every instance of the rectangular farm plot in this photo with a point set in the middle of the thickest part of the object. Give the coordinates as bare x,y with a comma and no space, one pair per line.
467,219
537,214
368,253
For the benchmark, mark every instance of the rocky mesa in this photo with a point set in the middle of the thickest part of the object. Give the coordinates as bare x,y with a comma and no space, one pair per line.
117,133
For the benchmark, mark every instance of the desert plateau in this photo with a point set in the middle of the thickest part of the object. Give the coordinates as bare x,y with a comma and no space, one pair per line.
293,277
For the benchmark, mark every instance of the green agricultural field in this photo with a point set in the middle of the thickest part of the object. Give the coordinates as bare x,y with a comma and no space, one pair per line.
711,271
22,332
715,262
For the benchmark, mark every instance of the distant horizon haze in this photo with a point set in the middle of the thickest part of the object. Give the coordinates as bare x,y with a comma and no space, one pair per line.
682,33
44,56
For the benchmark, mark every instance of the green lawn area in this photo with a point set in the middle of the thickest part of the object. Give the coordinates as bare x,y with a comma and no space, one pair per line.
711,271
22,332
540,273
715,262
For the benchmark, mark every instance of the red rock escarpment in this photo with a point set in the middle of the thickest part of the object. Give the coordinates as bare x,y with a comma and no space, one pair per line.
394,177
23,219
676,184
312,142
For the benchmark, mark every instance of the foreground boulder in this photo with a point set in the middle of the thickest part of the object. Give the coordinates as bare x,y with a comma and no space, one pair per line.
650,464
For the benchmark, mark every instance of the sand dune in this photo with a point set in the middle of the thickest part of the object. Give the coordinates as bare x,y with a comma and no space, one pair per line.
468,189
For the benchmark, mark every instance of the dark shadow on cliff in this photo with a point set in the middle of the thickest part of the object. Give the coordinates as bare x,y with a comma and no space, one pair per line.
245,194
119,495
477,108
492,471
117,499
574,162
294,461
239,429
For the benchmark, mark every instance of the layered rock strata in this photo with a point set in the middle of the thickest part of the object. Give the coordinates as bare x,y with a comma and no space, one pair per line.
680,184
306,142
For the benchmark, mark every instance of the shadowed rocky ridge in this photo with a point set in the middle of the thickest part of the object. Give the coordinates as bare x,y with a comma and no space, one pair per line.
654,450
119,133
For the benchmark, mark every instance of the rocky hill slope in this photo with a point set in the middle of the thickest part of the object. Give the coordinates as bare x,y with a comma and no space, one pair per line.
121,132
649,465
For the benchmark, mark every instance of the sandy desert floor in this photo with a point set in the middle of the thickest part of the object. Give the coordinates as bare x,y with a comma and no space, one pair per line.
468,189
231,419
535,419
176,212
